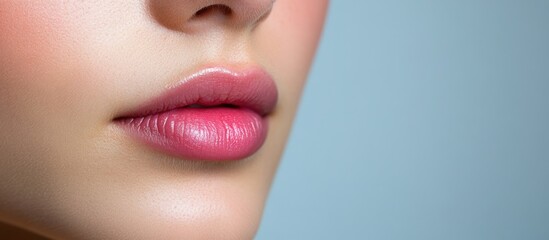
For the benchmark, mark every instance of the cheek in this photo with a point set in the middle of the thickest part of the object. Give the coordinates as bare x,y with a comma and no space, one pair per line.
32,42
43,100
25,32
43,73
28,51
32,57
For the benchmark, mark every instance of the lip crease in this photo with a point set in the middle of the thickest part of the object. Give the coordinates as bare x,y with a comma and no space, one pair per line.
215,114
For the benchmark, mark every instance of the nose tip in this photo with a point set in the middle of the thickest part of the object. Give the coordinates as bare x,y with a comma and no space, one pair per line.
193,15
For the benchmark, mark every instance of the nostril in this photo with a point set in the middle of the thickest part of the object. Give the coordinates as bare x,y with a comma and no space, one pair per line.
192,16
216,9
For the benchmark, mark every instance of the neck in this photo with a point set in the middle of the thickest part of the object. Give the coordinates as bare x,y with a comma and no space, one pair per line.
12,232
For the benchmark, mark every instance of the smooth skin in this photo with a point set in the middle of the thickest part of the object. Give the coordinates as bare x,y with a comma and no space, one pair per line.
68,68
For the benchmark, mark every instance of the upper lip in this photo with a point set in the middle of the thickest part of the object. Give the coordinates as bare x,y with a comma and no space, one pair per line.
252,88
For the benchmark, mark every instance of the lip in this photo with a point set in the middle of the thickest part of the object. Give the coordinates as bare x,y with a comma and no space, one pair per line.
215,114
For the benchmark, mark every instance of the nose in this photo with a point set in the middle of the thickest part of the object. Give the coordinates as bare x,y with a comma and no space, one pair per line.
196,15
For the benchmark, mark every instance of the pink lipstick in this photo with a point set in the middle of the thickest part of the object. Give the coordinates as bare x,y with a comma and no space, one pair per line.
216,114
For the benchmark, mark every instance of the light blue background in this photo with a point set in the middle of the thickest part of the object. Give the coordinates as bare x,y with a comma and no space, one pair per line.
422,120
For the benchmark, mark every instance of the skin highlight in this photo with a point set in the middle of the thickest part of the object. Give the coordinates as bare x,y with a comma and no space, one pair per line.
68,68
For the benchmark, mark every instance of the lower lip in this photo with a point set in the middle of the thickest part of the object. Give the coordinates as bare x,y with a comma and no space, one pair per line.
215,134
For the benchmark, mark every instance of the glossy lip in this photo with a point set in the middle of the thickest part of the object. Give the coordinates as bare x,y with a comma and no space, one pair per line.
215,114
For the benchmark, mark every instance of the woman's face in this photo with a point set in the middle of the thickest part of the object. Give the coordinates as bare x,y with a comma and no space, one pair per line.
74,74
